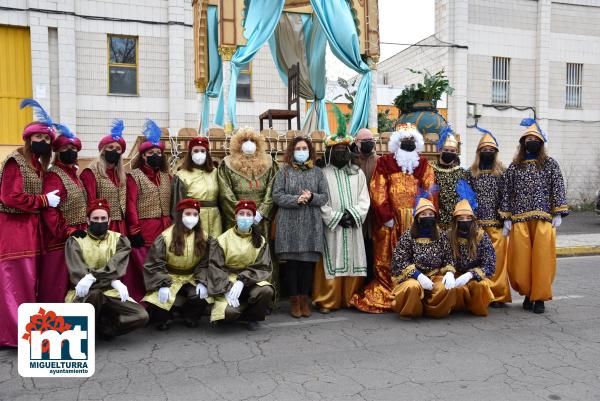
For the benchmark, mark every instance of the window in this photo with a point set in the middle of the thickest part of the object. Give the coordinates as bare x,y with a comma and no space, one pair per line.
244,83
574,85
122,65
500,79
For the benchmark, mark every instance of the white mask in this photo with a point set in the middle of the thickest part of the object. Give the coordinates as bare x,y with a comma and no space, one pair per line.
189,221
249,147
199,158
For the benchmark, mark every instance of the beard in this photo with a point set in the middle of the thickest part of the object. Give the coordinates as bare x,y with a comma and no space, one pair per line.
407,161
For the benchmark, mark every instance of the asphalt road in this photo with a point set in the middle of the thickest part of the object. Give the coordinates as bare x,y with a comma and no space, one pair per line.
510,355
580,223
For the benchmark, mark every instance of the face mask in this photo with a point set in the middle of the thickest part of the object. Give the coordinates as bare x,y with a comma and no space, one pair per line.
199,158
533,147
249,147
448,157
40,148
366,147
98,229
463,228
244,223
427,222
189,221
408,146
487,157
340,158
301,156
112,156
68,156
154,161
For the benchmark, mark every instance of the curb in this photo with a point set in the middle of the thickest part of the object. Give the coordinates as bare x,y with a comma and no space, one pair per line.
577,251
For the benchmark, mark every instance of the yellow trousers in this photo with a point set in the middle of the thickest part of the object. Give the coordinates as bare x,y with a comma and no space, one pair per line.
334,293
475,296
412,301
499,281
532,259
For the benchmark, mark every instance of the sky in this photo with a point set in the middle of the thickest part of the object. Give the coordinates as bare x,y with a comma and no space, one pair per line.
400,21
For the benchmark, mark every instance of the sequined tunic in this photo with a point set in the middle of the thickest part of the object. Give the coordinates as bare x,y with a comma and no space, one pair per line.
484,264
447,178
413,256
531,193
488,188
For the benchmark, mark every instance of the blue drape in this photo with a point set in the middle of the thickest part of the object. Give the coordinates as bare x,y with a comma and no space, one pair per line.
260,22
215,71
337,21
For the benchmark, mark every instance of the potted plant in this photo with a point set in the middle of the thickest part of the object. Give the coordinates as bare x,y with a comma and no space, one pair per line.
430,91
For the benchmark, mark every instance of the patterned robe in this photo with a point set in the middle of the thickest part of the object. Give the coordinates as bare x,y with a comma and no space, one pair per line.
393,196
447,178
483,265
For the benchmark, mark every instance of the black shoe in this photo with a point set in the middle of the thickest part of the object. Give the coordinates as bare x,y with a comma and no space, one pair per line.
191,323
527,304
498,305
252,326
538,307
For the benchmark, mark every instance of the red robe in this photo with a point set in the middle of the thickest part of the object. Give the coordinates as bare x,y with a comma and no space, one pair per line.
89,182
149,228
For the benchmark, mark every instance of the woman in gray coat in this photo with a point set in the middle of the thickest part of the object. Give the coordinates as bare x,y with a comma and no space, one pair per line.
300,190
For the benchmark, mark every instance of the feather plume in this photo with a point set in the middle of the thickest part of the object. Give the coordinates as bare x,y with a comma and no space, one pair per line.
528,121
340,118
40,114
447,131
64,131
464,191
152,132
484,131
116,130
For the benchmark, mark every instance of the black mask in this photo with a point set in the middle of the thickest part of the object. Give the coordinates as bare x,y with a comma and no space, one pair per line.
463,228
487,158
408,146
98,229
112,156
533,147
340,158
427,222
68,156
40,147
448,157
366,147
155,161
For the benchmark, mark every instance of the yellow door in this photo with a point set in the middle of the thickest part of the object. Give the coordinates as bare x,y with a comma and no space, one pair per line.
15,82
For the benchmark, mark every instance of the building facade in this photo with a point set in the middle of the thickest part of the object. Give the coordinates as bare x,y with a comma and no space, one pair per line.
506,59
90,62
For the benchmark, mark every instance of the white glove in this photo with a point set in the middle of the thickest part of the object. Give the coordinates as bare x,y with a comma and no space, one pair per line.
232,296
83,286
201,291
389,223
448,280
425,282
53,199
556,221
258,217
122,288
463,279
163,295
507,228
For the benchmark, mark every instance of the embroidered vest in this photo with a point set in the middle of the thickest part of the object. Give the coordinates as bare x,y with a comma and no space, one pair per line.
116,196
152,201
185,263
32,183
74,206
97,252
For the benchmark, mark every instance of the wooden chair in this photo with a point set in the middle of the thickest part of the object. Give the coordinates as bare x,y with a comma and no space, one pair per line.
293,97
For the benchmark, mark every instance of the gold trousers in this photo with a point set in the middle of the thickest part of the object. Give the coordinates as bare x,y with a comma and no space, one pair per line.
335,293
499,281
475,296
412,301
532,259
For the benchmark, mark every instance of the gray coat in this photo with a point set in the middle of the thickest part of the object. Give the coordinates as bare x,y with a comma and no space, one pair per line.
299,228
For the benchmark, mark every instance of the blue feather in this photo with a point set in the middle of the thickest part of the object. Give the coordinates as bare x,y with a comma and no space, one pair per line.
443,135
152,132
484,131
65,131
117,128
41,114
425,194
464,191
528,121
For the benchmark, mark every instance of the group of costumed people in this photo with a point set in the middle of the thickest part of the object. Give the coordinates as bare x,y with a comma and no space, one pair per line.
351,229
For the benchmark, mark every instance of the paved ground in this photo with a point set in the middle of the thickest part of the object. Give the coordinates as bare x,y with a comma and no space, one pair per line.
511,354
580,223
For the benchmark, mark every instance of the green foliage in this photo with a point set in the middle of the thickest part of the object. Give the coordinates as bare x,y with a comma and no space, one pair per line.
350,93
384,122
431,89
